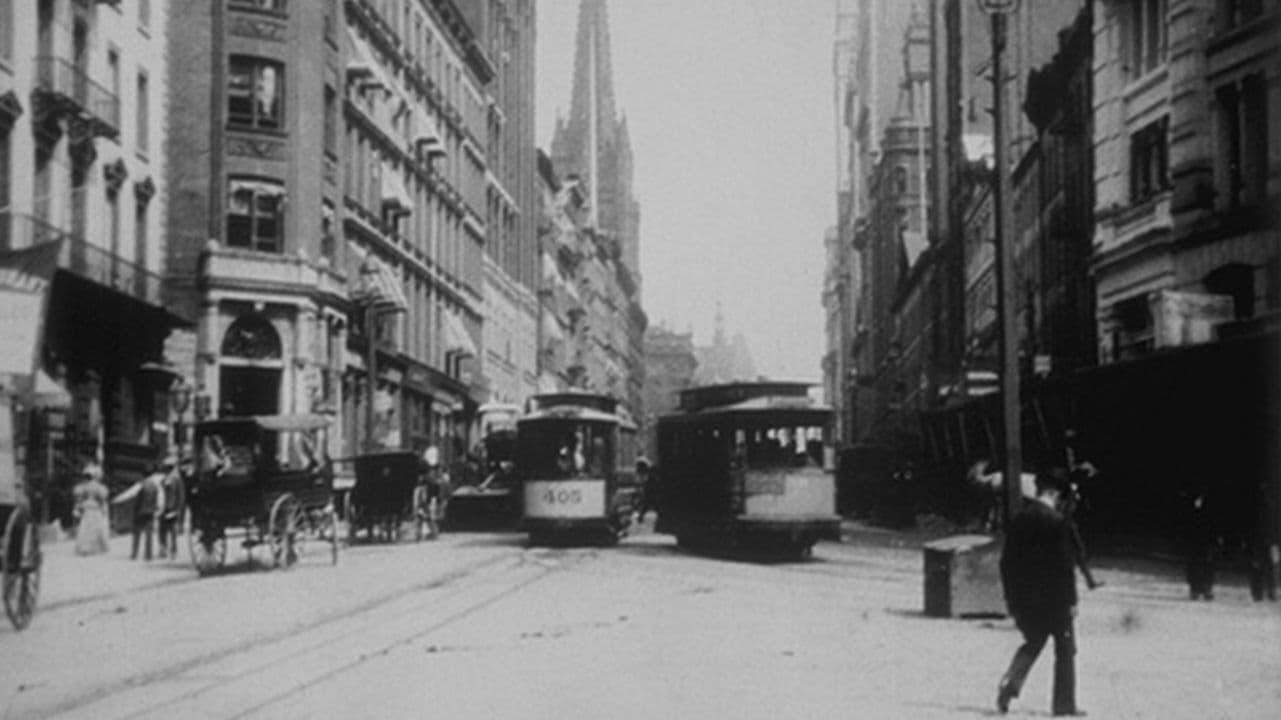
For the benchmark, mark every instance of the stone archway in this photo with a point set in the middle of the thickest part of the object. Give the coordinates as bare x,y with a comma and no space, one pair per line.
251,368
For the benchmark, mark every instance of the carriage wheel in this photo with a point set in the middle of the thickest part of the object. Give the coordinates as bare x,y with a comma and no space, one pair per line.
282,527
208,548
22,562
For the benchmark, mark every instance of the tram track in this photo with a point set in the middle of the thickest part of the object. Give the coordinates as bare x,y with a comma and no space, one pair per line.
339,640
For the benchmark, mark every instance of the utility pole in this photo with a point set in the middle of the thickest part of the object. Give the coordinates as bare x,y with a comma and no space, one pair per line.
1006,287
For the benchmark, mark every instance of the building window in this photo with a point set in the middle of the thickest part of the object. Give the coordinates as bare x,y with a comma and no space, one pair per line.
255,214
1145,36
1149,161
140,234
144,114
328,238
1242,120
331,121
273,6
255,91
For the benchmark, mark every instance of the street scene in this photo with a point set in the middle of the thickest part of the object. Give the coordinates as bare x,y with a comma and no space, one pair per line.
636,358
479,625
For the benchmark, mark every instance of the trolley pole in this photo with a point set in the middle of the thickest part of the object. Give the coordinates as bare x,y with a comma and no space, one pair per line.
1005,275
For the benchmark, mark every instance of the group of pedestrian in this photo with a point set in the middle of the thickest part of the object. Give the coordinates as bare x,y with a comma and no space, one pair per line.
155,505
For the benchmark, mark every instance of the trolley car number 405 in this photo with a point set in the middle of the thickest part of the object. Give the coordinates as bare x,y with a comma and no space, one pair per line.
562,496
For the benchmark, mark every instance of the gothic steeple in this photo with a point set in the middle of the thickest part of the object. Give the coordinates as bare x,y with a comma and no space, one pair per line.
593,143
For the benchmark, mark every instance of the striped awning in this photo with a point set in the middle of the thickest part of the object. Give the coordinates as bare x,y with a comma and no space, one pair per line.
374,281
457,339
394,195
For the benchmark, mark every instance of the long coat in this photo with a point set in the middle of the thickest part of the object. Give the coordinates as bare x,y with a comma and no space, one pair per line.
1037,564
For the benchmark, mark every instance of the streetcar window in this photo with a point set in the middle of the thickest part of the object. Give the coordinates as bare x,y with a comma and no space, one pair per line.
561,449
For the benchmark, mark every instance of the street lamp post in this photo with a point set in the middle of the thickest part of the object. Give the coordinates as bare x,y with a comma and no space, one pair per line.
998,11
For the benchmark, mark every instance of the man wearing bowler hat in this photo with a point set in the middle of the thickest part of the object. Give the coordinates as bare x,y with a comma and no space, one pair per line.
1038,575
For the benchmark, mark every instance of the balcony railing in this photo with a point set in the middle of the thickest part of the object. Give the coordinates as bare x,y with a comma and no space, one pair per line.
69,89
81,257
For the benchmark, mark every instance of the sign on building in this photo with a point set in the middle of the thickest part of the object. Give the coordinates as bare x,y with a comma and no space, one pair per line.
1187,318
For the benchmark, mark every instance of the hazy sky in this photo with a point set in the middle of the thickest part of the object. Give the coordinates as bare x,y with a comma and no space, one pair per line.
729,105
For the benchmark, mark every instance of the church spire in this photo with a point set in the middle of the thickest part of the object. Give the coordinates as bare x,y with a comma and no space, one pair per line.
593,142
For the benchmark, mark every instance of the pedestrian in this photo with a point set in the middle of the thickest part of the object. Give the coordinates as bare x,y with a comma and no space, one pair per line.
172,505
90,494
1038,575
1265,552
1200,545
648,491
146,506
1071,503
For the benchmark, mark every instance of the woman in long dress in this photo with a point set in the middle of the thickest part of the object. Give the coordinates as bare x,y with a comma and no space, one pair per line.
91,510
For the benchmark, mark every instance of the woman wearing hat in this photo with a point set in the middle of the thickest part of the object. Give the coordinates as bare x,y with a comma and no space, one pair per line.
91,511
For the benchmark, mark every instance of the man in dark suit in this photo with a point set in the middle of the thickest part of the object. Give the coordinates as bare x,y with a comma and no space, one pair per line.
1038,575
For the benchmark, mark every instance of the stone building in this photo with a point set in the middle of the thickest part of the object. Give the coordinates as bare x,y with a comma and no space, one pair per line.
330,212
1186,154
83,101
670,365
509,361
592,148
587,312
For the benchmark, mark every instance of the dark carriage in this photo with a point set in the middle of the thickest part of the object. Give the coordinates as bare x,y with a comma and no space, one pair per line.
389,492
266,479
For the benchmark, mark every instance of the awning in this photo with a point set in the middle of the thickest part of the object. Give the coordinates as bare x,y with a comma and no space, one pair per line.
551,328
457,339
427,133
49,394
374,281
394,195
361,65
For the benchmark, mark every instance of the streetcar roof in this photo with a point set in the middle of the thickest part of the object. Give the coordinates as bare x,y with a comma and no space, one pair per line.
731,394
572,398
568,412
786,408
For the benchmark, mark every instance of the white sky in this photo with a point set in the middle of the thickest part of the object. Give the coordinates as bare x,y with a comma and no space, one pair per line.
729,105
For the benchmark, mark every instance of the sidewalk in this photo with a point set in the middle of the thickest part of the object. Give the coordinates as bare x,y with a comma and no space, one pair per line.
69,579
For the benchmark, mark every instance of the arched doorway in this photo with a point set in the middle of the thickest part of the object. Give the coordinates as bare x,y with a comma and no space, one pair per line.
249,378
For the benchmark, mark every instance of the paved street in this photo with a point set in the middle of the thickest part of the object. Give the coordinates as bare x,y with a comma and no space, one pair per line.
478,625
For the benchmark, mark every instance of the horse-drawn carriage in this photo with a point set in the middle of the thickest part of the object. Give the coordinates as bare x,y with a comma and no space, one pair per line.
389,492
265,477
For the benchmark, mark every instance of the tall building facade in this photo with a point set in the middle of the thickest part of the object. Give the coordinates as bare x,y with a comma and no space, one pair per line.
592,147
331,210
587,320
82,163
1186,147
670,366
509,364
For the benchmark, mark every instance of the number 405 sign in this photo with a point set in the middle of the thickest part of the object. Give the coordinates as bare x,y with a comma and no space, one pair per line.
565,498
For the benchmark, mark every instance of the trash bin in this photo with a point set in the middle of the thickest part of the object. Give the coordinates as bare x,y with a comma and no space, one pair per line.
963,577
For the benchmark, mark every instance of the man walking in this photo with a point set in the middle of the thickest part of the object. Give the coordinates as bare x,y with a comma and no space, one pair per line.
1039,577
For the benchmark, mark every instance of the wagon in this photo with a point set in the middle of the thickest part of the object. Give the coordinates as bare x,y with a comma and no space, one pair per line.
388,493
265,481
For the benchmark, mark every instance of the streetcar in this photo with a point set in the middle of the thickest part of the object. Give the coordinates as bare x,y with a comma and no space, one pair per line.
567,460
490,501
746,467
